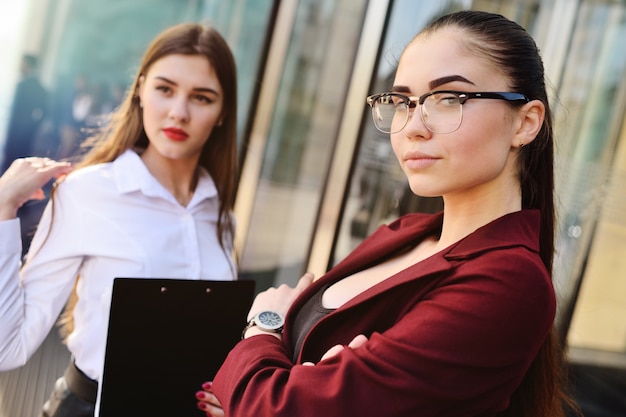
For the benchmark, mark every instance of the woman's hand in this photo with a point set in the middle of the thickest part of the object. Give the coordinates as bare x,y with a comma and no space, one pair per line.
357,342
278,300
24,180
208,402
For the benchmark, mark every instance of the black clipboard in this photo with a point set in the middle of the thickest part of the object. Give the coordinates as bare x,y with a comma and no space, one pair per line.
166,337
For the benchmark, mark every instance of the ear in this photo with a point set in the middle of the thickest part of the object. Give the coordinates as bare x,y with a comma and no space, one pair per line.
529,122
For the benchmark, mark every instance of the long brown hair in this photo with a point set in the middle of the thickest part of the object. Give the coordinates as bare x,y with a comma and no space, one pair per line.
543,391
125,129
219,155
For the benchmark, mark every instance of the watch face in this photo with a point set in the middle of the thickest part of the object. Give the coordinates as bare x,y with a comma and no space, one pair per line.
270,320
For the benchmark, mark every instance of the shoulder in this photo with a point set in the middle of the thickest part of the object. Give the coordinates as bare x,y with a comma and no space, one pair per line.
87,181
506,249
512,263
91,173
502,259
123,169
506,282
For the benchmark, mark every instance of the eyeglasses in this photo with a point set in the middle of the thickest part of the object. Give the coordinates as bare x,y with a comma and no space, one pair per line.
441,111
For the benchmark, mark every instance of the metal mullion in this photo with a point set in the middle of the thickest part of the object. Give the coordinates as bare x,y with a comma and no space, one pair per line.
251,169
336,184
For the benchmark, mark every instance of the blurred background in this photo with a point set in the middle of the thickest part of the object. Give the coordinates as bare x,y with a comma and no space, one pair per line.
316,177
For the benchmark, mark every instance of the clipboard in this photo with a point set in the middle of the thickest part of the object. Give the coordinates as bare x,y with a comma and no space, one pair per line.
166,337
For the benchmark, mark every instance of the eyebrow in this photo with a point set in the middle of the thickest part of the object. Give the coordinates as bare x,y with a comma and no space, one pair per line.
434,83
400,89
448,79
199,89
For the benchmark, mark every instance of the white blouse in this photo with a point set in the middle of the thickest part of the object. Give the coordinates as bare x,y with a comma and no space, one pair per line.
110,220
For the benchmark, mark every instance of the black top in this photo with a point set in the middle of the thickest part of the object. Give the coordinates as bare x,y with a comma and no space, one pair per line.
311,312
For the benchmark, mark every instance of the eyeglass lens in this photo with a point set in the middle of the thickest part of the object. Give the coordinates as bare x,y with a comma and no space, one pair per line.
440,112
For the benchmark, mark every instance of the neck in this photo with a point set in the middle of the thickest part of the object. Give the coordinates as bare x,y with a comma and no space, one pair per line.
178,176
463,216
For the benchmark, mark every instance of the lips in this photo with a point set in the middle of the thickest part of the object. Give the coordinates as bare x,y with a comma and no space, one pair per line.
418,160
175,133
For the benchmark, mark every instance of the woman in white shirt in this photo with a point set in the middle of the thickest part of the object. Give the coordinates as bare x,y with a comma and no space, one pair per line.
153,198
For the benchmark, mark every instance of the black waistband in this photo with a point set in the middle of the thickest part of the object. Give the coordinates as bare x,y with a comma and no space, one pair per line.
80,384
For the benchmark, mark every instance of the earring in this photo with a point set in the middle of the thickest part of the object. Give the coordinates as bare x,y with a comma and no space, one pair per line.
521,145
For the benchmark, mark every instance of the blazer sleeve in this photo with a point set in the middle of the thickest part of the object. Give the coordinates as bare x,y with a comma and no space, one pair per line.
461,349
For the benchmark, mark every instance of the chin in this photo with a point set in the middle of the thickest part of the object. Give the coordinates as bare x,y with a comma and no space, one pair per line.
421,190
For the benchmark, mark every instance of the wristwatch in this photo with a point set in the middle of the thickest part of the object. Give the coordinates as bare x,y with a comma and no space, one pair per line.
268,321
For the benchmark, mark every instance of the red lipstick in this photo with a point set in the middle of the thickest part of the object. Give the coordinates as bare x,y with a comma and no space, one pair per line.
175,133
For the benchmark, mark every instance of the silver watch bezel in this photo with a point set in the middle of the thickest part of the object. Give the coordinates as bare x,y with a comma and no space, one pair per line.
255,321
264,325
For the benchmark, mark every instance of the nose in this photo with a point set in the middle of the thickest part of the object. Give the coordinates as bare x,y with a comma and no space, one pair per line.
179,110
415,127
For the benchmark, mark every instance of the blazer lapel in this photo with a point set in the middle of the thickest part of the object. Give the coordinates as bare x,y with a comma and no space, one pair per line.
521,229
384,242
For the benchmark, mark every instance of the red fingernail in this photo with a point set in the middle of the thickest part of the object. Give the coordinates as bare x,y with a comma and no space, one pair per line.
207,385
202,406
200,395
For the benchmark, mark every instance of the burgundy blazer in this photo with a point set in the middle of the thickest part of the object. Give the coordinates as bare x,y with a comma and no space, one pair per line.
452,335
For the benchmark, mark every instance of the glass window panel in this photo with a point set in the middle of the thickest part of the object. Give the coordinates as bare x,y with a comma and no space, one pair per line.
244,24
592,233
301,139
11,40
96,45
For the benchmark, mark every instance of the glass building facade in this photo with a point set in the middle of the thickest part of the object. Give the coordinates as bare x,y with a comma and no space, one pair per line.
316,177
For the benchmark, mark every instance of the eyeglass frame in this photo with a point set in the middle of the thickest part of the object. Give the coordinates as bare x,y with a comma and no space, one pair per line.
413,101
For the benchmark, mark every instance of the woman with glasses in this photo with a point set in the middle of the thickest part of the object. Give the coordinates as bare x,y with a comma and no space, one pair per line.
433,315
152,199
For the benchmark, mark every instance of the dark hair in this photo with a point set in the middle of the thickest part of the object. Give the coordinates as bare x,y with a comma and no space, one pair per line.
509,46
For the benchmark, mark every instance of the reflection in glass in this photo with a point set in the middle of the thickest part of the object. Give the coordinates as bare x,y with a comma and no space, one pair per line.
592,234
301,139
